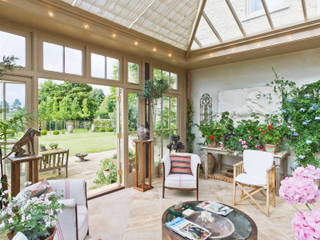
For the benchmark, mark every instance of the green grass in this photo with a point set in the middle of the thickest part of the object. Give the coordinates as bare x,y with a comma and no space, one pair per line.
88,142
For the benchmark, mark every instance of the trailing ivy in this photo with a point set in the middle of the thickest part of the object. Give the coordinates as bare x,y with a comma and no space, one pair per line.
190,134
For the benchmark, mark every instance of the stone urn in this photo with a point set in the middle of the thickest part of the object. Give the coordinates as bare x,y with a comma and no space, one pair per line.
143,133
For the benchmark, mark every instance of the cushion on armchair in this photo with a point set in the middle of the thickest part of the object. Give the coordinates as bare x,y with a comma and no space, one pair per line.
180,164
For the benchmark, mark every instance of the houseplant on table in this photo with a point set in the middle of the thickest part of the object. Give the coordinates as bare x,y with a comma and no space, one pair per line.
35,217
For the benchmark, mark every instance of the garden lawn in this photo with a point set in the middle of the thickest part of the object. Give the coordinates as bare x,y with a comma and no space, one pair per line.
89,142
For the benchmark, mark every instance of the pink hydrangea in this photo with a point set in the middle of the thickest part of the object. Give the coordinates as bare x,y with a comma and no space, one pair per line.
307,172
243,142
299,190
306,225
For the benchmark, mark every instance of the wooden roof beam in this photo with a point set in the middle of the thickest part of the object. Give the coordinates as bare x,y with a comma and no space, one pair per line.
196,25
235,16
265,7
214,30
304,9
198,42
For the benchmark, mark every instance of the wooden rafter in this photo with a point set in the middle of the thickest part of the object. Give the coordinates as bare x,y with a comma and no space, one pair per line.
214,30
196,25
235,16
265,7
304,9
198,42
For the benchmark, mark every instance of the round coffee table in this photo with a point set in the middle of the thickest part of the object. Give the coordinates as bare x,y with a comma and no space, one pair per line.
245,227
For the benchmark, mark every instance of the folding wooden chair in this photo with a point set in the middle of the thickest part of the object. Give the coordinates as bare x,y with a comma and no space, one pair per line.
257,172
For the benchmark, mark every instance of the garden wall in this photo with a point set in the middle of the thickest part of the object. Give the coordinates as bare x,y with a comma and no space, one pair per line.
301,67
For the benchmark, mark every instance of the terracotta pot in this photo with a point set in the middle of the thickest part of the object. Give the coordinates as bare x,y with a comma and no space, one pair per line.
212,144
11,235
270,148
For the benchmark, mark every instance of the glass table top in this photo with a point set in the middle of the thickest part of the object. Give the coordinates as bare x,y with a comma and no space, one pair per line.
243,224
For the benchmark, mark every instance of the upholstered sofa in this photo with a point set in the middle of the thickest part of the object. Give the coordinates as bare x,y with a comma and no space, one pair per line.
73,221
181,181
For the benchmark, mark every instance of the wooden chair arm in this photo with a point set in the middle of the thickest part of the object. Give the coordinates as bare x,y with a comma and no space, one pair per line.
237,169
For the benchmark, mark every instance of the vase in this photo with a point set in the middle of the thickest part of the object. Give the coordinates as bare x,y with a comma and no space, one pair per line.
270,148
10,235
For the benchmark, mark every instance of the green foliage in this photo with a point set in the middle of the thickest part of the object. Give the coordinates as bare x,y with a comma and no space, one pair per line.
301,112
111,177
56,132
217,128
44,132
53,146
35,219
155,89
8,63
190,134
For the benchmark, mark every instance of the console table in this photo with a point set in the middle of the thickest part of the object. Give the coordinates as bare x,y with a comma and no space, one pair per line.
280,161
15,171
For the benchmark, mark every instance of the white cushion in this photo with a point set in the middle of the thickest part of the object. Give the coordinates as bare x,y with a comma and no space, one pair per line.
82,221
251,180
256,163
181,181
19,236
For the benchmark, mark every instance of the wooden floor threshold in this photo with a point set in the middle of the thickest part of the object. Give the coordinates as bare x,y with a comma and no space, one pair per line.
106,192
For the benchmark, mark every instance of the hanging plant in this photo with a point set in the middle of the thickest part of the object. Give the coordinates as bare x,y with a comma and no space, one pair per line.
155,89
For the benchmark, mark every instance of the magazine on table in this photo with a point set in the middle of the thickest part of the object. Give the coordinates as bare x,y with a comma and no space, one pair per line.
215,207
188,229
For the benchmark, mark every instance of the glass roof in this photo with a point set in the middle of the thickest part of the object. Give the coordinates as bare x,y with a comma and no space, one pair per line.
174,21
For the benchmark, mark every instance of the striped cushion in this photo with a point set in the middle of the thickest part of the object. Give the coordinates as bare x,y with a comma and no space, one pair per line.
180,164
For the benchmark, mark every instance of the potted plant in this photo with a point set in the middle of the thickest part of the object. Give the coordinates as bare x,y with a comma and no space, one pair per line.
35,217
270,136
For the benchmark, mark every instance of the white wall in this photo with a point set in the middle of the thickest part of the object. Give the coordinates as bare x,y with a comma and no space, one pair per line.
302,67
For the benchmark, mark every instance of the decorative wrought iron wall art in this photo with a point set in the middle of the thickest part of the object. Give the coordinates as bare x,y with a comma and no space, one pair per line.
205,108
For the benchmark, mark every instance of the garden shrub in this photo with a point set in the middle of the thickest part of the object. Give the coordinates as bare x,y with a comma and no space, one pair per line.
53,145
102,130
44,132
110,129
56,132
104,177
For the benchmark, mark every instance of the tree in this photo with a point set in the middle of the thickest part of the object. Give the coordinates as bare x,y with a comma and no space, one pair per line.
98,95
75,109
64,108
85,110
16,104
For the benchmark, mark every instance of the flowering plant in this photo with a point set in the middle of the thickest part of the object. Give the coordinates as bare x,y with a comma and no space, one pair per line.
35,217
217,128
300,110
302,188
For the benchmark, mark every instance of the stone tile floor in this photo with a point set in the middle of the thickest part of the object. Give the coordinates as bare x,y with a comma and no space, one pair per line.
130,214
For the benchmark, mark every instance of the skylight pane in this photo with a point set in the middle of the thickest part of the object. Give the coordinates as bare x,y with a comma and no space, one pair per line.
251,15
286,13
313,8
223,21
205,35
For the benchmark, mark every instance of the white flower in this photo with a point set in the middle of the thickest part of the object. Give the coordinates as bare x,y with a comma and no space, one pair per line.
10,220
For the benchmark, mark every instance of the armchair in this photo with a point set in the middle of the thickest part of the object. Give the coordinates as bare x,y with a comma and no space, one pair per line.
181,181
258,172
73,221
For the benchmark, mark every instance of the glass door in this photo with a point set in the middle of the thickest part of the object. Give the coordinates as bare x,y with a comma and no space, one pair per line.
13,96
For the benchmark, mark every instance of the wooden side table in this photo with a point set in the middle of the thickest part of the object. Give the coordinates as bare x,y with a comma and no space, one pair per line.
143,144
15,171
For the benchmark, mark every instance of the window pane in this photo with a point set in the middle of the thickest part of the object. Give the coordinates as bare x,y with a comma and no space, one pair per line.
173,81
166,113
52,57
290,14
254,6
173,123
165,75
112,68
313,8
73,61
156,73
98,66
133,112
11,44
133,72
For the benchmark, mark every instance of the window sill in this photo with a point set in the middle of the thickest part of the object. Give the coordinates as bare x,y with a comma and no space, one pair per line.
261,13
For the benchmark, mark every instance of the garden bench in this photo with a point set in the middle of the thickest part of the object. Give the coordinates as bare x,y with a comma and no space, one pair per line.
54,159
